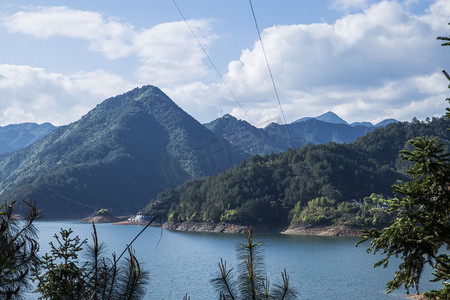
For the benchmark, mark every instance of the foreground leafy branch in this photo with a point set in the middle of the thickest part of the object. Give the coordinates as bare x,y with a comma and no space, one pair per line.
61,275
18,250
422,228
420,234
251,283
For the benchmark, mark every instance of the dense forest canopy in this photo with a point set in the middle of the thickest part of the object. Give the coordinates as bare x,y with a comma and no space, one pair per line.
276,188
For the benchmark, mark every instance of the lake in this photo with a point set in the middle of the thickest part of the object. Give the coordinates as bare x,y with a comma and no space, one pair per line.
185,262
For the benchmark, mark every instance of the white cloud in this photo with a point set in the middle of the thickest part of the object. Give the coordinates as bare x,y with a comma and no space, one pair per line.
420,96
50,21
109,37
34,95
377,62
365,66
348,5
168,52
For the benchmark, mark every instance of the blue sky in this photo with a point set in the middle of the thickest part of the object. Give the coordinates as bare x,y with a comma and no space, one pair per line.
364,60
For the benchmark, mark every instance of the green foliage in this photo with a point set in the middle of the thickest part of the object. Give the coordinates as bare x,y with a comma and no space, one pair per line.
251,282
61,275
271,189
18,250
229,216
422,227
64,277
324,211
174,216
319,211
103,211
420,234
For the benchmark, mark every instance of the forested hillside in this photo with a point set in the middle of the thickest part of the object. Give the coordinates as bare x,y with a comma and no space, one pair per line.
276,188
118,156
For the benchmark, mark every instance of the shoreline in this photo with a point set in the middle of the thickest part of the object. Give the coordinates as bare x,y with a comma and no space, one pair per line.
222,227
140,223
330,230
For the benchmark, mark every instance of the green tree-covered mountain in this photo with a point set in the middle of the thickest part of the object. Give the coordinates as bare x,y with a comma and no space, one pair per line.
275,138
118,156
273,188
17,136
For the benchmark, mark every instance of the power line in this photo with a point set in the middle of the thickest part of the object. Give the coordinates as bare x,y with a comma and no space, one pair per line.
211,61
90,206
270,72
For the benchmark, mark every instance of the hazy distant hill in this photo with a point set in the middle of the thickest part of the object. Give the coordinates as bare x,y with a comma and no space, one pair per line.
331,117
118,156
245,137
17,136
274,138
385,122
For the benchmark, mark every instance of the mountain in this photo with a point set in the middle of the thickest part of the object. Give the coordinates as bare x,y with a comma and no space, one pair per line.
272,189
329,117
303,119
118,156
385,122
245,137
315,132
17,136
275,138
366,124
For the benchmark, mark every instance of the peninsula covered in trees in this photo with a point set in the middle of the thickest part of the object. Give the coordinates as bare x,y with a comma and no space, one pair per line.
313,185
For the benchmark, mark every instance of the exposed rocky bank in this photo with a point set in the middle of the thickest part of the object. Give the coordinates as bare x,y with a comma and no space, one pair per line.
342,230
234,228
103,216
214,227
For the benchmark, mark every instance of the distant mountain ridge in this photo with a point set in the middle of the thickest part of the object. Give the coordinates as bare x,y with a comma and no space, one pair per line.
331,117
275,138
258,141
17,136
117,156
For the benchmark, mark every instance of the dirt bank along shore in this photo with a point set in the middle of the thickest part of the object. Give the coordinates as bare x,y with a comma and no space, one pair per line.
234,228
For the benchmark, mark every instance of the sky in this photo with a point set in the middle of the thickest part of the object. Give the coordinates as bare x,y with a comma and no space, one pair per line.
364,60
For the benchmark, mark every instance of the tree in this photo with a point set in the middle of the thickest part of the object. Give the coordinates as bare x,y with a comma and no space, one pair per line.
18,250
61,275
64,278
421,230
251,282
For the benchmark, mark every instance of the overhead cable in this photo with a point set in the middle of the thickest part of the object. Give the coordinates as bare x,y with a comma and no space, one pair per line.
211,61
270,72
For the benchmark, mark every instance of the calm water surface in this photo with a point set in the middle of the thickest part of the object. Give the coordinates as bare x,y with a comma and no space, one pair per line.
184,262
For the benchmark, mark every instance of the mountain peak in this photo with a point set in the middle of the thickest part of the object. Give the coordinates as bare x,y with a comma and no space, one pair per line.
228,117
386,122
118,156
330,117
